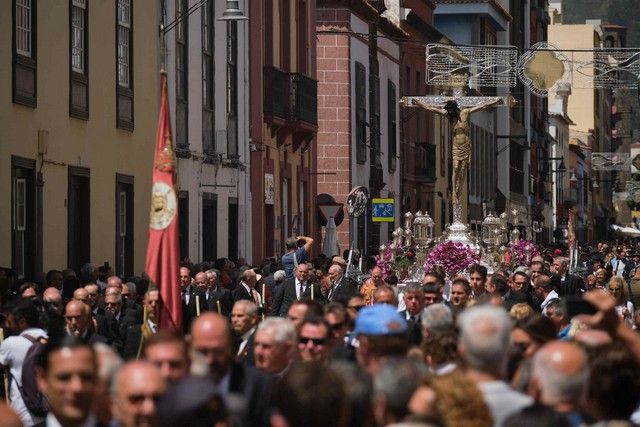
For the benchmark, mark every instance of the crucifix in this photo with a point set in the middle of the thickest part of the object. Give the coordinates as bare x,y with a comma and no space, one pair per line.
458,109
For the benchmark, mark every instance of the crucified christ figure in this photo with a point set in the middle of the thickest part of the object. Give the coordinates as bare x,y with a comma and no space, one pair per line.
461,145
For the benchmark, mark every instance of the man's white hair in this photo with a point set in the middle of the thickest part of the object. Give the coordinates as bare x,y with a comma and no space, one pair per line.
484,336
282,330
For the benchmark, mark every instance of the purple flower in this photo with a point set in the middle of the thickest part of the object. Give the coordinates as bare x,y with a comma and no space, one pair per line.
454,257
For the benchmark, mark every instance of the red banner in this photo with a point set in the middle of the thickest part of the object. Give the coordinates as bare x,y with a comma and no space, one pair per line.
163,250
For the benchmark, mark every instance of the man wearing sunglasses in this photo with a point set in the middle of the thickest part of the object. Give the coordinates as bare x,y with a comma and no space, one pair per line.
314,340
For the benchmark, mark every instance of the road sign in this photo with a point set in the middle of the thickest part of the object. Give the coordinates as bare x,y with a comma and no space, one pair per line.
382,210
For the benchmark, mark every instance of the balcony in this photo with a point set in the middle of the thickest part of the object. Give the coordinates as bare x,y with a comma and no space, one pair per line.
290,99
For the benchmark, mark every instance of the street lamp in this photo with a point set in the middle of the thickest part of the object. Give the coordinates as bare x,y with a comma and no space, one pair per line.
233,12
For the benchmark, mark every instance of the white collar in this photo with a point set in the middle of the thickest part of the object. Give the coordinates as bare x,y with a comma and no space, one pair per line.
552,295
247,334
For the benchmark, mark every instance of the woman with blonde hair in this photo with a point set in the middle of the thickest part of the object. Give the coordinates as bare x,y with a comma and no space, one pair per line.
624,307
452,398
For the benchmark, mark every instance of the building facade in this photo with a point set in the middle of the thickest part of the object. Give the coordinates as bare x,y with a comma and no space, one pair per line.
424,136
206,60
358,111
490,188
77,120
283,123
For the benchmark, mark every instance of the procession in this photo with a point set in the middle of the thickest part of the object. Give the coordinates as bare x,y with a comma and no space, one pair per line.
405,213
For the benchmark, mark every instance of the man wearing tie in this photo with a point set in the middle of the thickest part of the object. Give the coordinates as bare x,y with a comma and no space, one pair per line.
342,288
188,295
618,263
564,283
247,288
414,302
244,319
217,298
294,289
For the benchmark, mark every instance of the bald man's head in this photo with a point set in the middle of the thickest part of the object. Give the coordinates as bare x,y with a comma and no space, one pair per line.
114,281
560,375
77,316
211,337
138,386
200,280
81,294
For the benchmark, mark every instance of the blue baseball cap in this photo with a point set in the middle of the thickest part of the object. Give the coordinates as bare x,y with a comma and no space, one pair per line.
380,319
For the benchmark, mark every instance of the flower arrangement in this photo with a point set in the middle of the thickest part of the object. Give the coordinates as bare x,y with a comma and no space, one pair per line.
454,257
523,251
395,260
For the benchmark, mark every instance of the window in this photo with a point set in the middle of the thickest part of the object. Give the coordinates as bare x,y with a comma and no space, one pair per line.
208,88
361,113
24,53
374,131
23,236
516,168
78,75
124,64
209,226
183,223
23,27
302,209
78,32
124,225
392,106
78,218
233,228
284,197
232,89
124,42
182,57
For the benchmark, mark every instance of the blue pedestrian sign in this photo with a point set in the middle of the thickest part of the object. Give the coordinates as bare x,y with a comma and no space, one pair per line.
382,210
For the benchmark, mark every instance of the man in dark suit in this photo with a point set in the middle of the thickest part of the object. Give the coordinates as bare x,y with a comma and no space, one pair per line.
189,300
342,288
246,289
414,302
294,289
79,323
216,297
211,337
244,318
565,284
136,332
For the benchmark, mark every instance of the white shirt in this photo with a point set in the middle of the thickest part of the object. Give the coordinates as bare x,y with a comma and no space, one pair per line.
245,340
298,293
618,267
12,353
552,295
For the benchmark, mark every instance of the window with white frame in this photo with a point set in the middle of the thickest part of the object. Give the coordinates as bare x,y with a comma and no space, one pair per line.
78,29
122,230
124,43
20,223
23,27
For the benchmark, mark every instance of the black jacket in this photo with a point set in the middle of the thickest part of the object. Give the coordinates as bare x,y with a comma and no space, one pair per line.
224,296
282,300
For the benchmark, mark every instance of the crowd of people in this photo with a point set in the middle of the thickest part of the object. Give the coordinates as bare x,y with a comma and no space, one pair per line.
299,342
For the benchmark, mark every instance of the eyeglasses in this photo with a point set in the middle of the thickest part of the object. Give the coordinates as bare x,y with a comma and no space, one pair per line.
356,307
315,341
429,284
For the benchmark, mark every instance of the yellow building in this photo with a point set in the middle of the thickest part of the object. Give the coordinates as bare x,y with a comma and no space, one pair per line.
77,128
